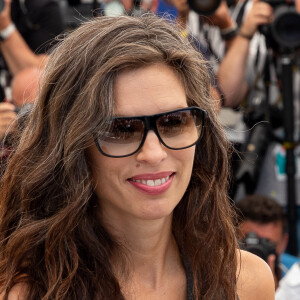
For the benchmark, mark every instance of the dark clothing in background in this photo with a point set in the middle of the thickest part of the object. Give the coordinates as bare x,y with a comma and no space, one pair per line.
38,21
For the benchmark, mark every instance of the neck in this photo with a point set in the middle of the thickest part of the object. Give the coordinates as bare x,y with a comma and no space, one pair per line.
151,249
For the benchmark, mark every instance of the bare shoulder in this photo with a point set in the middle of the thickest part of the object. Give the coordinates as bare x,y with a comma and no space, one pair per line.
254,278
18,292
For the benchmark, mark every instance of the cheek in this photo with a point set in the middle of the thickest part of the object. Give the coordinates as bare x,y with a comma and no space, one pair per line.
100,166
108,174
186,158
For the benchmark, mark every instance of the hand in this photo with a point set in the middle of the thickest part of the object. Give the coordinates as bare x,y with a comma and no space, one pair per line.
5,17
181,6
7,117
260,13
297,5
221,17
183,9
272,264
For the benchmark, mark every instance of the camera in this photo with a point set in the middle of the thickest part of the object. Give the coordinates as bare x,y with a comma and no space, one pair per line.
1,5
283,34
206,7
261,247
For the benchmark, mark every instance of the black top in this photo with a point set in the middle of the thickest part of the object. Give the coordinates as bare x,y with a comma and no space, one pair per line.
189,282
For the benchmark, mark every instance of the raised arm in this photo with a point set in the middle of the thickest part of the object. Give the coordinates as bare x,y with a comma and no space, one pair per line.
14,49
232,70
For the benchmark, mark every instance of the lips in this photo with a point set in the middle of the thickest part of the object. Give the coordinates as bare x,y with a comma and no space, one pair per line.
153,184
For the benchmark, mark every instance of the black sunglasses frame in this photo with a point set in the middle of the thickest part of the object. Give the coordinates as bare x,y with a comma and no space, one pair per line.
150,124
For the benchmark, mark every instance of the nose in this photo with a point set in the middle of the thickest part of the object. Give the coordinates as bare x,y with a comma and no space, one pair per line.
152,151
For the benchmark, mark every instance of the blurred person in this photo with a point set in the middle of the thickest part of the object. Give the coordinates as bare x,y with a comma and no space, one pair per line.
25,87
249,70
129,7
7,117
229,67
289,286
259,79
237,55
114,191
266,218
232,84
26,29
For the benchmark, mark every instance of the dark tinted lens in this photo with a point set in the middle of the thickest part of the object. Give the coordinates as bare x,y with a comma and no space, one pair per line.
180,129
122,137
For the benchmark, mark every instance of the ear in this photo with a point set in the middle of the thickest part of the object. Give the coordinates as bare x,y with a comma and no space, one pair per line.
284,243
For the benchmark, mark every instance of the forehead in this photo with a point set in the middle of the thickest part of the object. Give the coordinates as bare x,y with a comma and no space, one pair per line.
148,90
272,231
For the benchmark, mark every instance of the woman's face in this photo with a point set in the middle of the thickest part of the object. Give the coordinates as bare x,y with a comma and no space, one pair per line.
150,183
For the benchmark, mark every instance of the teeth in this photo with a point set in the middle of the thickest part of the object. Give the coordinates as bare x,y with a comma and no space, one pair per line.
151,182
157,182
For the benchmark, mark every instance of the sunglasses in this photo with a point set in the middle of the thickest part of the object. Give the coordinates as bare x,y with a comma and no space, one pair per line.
176,130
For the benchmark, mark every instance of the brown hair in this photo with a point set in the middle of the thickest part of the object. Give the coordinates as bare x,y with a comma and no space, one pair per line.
261,209
49,231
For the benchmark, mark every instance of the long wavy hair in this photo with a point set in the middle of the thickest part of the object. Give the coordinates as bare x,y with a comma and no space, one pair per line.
50,236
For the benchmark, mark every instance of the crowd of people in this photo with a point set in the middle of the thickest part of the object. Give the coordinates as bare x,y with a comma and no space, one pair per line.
116,141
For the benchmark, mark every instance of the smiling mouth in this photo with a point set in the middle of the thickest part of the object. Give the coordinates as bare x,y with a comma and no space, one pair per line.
152,182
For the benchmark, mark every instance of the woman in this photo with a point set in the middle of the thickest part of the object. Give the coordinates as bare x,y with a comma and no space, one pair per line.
118,187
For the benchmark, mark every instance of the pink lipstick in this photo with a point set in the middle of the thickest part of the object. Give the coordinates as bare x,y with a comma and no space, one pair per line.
152,184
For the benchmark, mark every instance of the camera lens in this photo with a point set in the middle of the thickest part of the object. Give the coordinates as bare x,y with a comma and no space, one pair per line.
261,247
286,27
204,7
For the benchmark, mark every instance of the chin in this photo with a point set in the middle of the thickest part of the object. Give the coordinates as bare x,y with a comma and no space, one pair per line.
156,212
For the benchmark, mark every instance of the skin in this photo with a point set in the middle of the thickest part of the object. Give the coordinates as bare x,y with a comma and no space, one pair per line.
144,91
143,221
24,90
254,278
150,5
297,5
7,118
25,86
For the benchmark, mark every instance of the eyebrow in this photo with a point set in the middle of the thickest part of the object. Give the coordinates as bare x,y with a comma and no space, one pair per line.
158,113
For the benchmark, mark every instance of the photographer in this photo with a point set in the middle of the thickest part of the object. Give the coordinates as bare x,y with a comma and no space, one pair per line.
253,67
263,216
7,117
26,27
24,91
289,286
